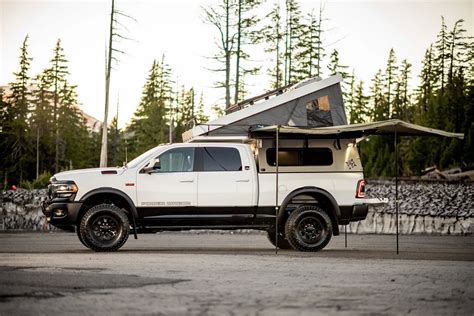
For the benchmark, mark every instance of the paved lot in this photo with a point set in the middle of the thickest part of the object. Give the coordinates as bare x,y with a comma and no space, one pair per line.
217,274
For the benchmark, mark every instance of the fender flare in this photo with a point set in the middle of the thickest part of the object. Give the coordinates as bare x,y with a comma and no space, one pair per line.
122,194
306,190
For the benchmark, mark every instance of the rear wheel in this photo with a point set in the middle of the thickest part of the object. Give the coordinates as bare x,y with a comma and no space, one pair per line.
104,227
282,241
308,228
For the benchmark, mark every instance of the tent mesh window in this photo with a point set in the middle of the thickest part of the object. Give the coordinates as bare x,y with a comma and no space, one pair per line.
318,112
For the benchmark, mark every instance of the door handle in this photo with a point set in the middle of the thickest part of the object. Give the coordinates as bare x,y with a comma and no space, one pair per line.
243,180
187,181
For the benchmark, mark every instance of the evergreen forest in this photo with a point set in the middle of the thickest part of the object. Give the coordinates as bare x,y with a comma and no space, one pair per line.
43,131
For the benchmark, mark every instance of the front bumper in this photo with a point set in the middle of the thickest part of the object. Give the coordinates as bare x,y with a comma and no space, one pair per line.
62,214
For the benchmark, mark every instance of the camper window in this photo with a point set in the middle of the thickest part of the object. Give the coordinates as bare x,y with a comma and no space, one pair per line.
300,157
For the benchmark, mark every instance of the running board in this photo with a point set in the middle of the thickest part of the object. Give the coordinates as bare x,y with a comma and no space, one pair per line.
210,227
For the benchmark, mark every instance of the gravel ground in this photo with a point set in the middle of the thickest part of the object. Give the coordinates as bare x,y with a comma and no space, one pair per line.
216,274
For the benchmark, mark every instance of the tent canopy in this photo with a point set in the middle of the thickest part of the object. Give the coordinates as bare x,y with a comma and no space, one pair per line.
311,103
388,127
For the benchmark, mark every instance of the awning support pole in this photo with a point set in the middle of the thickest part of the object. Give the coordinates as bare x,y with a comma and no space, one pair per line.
396,185
277,149
345,236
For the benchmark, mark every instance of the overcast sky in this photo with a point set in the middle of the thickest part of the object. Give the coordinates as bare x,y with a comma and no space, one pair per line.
362,31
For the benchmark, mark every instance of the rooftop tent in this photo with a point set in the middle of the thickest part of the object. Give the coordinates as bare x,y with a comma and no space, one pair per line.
310,103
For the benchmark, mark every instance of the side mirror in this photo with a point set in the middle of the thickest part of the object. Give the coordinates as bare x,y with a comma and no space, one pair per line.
153,165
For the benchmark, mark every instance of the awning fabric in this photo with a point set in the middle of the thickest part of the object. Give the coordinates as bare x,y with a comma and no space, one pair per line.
388,127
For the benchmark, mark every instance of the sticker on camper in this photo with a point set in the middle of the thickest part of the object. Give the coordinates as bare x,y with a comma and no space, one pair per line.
351,164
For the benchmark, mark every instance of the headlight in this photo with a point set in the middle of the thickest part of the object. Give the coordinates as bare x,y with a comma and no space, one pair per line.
63,190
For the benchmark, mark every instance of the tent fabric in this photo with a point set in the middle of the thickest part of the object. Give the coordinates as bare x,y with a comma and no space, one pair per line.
314,103
388,127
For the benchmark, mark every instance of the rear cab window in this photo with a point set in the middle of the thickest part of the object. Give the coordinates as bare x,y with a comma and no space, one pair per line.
218,159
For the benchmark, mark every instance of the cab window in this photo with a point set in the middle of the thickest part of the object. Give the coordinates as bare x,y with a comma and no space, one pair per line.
177,160
220,159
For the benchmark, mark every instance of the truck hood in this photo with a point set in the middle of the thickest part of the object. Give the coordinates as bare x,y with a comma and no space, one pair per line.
72,174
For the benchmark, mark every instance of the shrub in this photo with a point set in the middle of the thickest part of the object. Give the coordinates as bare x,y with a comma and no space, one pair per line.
40,183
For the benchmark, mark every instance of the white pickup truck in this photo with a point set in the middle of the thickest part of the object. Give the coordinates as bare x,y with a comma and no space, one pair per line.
216,185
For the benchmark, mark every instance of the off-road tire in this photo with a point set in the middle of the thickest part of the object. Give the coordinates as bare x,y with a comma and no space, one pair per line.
78,232
104,227
282,241
308,228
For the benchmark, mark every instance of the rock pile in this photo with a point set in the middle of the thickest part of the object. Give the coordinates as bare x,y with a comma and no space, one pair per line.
424,208
424,198
21,210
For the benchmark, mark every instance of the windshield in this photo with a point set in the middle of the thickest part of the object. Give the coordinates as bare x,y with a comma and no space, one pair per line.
133,163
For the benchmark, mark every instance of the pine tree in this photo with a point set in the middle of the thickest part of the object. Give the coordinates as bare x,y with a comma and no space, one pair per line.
379,109
18,112
390,81
200,115
73,133
6,138
359,112
149,127
115,142
217,111
401,108
185,118
43,124
273,36
307,44
348,81
293,31
458,56
428,82
442,54
348,90
310,46
57,76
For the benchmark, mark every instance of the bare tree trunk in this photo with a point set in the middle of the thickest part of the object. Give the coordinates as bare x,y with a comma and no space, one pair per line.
227,56
37,151
287,46
237,68
103,150
56,127
320,22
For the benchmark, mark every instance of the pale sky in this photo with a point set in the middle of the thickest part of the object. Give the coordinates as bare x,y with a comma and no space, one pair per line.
362,31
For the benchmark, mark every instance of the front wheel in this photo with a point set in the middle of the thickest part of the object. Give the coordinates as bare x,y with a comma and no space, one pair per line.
78,232
104,227
308,228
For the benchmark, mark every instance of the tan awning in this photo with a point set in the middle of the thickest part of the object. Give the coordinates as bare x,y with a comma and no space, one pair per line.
388,127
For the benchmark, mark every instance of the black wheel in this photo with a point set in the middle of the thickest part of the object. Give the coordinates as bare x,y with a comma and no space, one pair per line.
104,227
78,232
282,241
308,228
